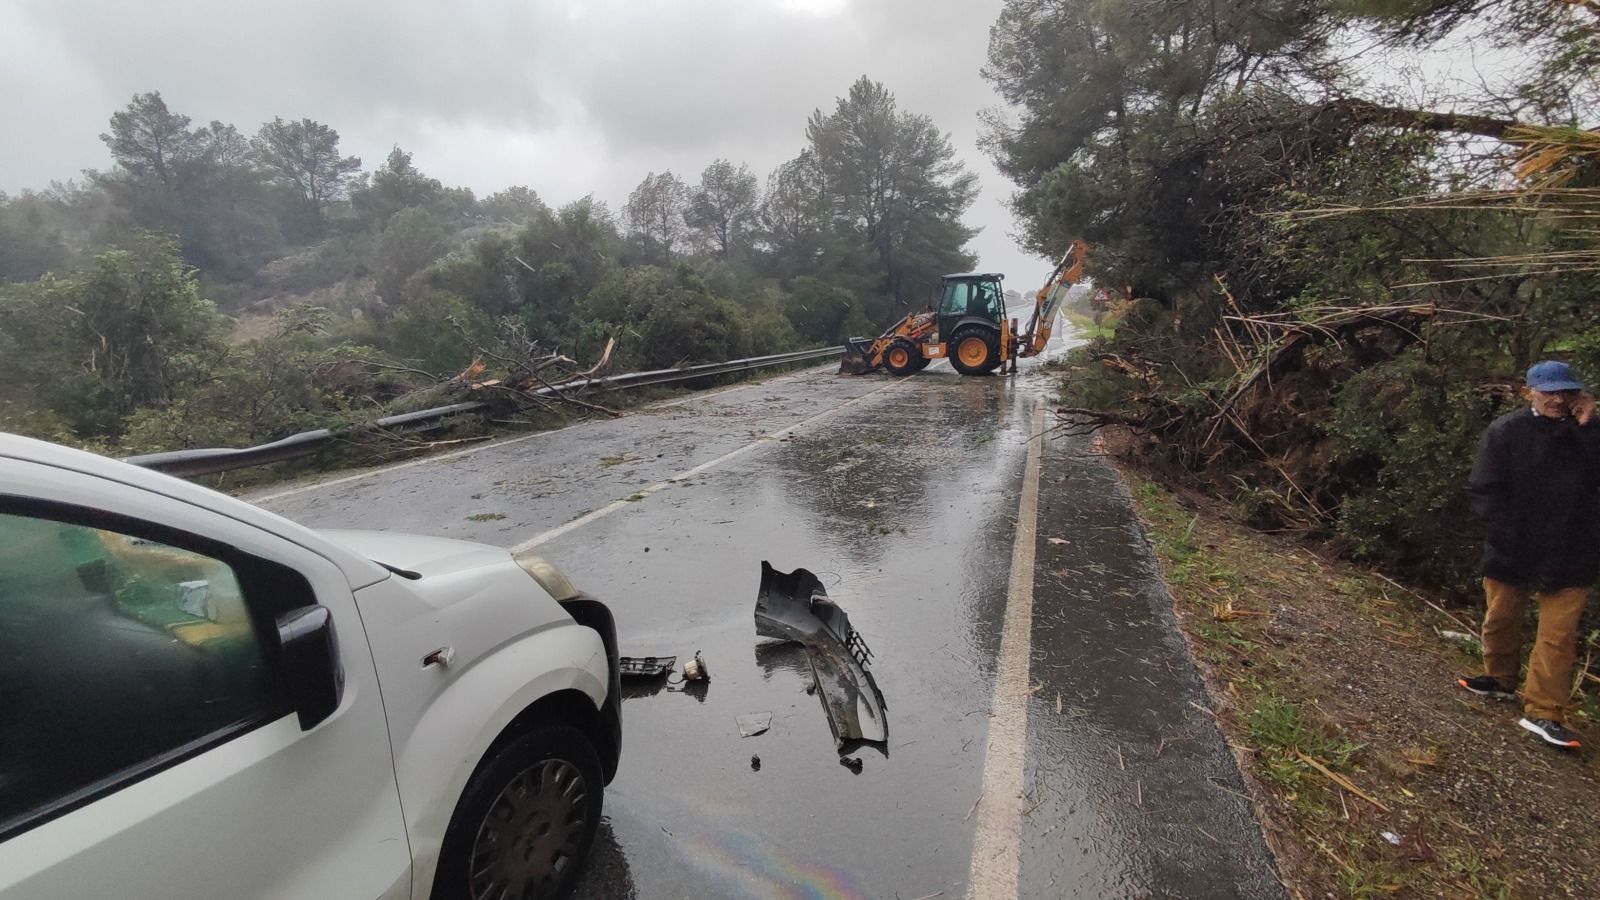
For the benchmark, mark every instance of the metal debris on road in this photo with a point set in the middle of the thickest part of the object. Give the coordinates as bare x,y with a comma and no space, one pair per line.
647,666
752,724
794,607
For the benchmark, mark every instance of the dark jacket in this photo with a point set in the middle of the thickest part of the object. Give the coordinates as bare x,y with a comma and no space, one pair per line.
1536,484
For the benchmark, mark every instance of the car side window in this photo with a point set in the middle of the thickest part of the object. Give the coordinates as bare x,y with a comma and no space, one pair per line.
119,655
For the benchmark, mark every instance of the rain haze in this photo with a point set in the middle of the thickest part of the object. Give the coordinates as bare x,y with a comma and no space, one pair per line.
569,98
607,478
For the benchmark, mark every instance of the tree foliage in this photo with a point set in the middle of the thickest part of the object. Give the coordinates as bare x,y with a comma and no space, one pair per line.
347,285
1329,293
722,207
304,155
894,184
655,214
516,205
129,330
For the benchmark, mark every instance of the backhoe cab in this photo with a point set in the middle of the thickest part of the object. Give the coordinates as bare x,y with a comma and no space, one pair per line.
969,327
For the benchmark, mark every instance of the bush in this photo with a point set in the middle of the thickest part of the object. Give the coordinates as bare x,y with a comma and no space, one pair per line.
291,381
436,332
1406,432
140,334
824,314
665,319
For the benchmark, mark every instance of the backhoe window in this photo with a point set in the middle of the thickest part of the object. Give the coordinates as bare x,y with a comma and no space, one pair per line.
973,298
988,303
955,298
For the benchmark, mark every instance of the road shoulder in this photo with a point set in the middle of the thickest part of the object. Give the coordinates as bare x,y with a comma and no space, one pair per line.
1126,764
1373,773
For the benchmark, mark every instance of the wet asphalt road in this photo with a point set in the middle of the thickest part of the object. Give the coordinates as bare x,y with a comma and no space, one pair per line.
902,496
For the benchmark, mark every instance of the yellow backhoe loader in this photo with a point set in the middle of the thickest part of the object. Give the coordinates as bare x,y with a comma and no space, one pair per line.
969,327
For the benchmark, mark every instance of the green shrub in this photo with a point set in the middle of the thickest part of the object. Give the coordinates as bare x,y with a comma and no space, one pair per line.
1406,432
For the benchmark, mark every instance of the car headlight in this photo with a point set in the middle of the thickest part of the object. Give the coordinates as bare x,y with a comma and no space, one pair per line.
554,582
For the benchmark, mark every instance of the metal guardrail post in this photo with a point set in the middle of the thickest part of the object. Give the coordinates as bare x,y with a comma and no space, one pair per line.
210,461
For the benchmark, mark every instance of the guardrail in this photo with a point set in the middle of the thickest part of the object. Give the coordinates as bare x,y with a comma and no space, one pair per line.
210,461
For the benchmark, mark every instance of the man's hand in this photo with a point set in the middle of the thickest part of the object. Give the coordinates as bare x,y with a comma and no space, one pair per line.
1582,408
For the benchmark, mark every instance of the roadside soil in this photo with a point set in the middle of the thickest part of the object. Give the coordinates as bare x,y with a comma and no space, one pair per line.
1372,773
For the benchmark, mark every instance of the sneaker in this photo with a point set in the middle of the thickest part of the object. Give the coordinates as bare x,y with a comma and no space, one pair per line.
1486,686
1552,733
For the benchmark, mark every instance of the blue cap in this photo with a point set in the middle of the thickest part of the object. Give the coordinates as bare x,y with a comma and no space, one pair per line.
1550,375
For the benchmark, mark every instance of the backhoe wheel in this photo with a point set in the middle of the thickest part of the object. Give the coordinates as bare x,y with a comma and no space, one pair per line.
975,350
903,358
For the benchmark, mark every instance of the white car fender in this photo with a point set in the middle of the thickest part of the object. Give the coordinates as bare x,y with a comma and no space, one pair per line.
435,761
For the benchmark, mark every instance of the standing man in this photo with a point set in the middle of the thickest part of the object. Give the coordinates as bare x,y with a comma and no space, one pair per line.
1536,483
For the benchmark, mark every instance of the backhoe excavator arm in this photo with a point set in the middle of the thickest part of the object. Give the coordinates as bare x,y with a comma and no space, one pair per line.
1048,301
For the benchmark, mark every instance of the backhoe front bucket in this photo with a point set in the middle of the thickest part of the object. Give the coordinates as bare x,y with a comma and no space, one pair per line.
857,357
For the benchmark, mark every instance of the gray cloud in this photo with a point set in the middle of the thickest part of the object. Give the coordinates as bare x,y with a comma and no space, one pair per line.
569,97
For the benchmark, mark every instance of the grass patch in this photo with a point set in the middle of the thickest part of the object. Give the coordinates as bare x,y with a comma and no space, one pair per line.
1086,326
1332,684
1284,738
486,517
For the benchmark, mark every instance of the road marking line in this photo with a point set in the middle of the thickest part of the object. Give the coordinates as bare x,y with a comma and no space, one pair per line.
997,844
615,505
456,454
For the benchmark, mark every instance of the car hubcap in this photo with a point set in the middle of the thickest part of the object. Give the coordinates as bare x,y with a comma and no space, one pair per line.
529,837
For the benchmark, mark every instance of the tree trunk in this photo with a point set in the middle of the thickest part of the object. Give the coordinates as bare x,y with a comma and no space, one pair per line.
1361,111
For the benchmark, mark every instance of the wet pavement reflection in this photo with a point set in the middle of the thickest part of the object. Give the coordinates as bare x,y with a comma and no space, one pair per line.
903,505
902,509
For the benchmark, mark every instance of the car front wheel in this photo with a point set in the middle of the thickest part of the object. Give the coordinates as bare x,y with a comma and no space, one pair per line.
526,820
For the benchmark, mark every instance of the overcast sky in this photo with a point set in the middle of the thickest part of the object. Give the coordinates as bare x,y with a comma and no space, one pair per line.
567,96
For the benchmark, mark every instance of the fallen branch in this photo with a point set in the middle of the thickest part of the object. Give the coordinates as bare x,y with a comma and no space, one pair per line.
1434,606
1338,779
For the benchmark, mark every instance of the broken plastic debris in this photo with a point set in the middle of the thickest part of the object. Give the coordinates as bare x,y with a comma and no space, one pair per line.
853,763
1391,837
794,606
752,724
647,666
695,669
755,762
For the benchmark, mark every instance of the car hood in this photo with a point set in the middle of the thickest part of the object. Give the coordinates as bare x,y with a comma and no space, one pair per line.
419,553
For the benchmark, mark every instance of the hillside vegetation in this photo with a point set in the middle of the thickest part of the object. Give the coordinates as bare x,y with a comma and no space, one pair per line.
212,289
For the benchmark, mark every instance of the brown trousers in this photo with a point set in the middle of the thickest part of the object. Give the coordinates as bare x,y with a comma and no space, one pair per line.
1549,686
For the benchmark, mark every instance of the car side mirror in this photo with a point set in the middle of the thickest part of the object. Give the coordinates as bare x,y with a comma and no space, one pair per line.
310,652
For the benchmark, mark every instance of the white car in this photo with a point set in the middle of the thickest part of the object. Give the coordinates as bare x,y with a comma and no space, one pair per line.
200,699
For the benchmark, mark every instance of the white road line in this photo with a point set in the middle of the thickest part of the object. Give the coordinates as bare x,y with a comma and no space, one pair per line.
615,505
996,845
456,454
